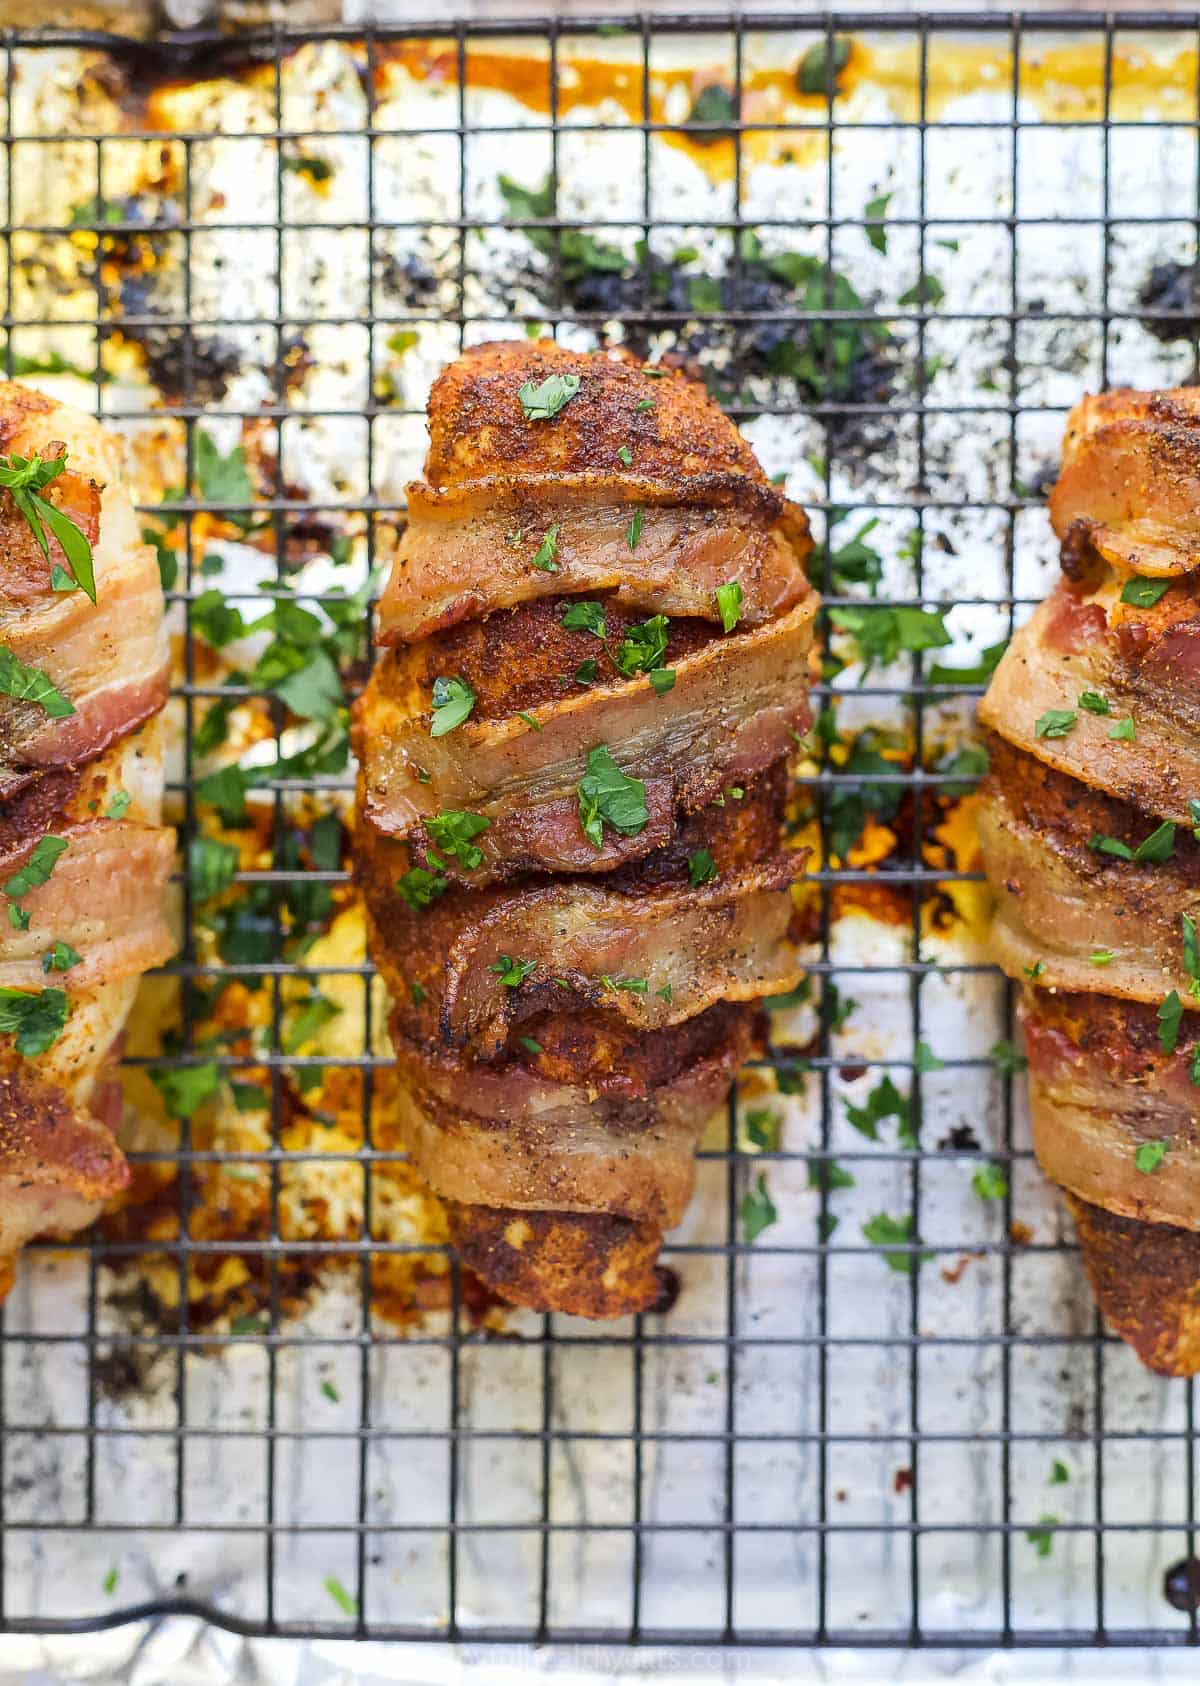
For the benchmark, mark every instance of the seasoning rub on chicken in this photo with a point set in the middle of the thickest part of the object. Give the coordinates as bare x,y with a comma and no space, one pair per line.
1089,828
84,859
596,643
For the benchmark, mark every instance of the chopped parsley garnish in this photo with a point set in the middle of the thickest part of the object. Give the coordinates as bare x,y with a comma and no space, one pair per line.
626,455
924,1059
1101,957
545,400
185,1088
546,552
32,685
18,918
61,958
1124,730
1035,971
118,805
644,404
762,1129
1191,948
1055,723
1169,1016
662,680
109,1583
35,1017
664,994
1094,702
25,478
512,973
529,1044
1007,1060
813,74
884,1101
315,1013
1150,1156
345,1601
417,991
331,1393
529,719
211,866
1059,1473
757,1210
37,868
634,530
420,887
729,603
453,830
1158,847
881,634
1144,594
990,1182
1041,1538
607,795
643,647
586,617
702,869
890,1233
632,986
585,673
453,700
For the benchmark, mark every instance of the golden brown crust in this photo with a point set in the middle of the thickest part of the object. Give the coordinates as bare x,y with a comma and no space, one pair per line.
478,428
1146,1280
586,1264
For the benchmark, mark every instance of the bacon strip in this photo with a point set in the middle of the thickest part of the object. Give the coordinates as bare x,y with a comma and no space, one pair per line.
1045,668
458,557
586,1264
688,948
733,708
1131,479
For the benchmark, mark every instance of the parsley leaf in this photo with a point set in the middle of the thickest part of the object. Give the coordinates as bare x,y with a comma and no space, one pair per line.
643,647
546,552
881,634
990,1182
1124,730
1144,594
626,455
1159,846
344,1600
1094,702
1170,1014
211,866
762,1128
224,479
757,1210
1191,949
25,478
185,1088
873,213
31,684
702,869
884,1101
1007,1060
453,700
226,791
634,530
1150,1156
818,70
420,887
453,831
36,1018
512,973
662,680
1042,1537
118,804
606,794
729,603
37,868
585,617
1055,723
1059,1473
545,400
889,1233
1102,845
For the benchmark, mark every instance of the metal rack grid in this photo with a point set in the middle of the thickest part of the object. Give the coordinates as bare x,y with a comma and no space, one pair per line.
1084,1347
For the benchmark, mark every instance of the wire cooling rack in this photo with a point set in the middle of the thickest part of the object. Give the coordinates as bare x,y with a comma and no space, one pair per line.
819,1443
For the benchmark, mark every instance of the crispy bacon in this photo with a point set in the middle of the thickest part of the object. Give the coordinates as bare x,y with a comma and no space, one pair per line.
466,551
1131,478
587,1264
731,712
1061,901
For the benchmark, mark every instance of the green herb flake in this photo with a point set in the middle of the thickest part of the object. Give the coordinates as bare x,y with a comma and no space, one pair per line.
873,213
1034,972
118,805
924,1059
544,558
820,68
1101,957
32,685
211,867
25,478
634,530
1055,723
1159,846
544,401
37,868
420,887
184,1089
1150,1156
18,918
61,958
331,1393
453,700
585,617
702,869
585,673
644,404
1094,703
729,603
1007,1059
643,647
662,680
664,994
1041,1538
891,1234
110,1580
1170,1014
512,973
762,1128
1144,594
884,1101
529,719
607,795
626,456
35,1017
990,1182
1191,949
345,1602
1124,731
1059,1473
453,831
757,1210
529,1044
